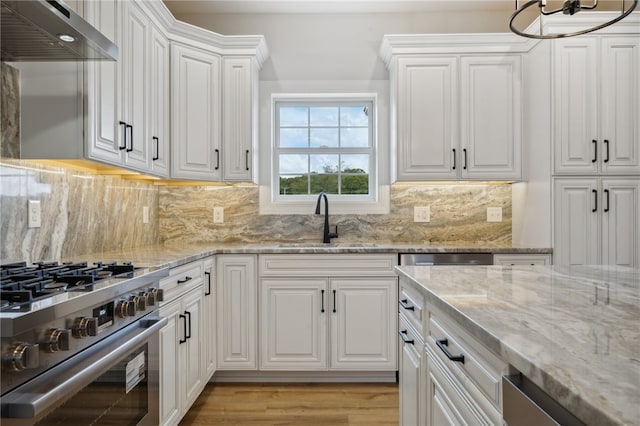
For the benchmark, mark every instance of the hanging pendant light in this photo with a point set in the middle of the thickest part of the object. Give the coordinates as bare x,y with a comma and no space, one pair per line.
569,7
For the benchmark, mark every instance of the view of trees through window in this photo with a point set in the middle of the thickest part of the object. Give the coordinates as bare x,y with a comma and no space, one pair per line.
323,147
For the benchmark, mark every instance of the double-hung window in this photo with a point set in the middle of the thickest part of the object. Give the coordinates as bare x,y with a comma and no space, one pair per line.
324,145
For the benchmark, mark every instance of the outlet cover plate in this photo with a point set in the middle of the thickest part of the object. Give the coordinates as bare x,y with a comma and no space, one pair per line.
494,214
422,214
34,214
218,215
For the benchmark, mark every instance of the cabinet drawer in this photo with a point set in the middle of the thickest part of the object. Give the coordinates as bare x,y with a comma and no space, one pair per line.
181,279
411,305
332,265
480,368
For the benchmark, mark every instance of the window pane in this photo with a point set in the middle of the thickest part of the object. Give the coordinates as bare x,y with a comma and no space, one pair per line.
294,138
355,184
294,164
324,183
324,163
294,185
327,138
294,116
356,163
324,116
354,137
354,116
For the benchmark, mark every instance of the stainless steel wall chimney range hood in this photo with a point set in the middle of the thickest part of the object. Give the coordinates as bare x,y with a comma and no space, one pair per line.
48,30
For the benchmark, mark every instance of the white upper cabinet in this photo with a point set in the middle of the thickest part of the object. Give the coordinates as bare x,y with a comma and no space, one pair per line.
135,69
455,112
102,82
490,117
158,130
597,105
426,129
214,114
127,100
239,115
196,113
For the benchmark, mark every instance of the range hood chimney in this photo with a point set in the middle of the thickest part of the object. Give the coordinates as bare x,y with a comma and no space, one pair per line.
48,30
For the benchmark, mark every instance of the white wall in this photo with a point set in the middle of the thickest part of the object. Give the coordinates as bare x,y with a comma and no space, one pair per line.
338,46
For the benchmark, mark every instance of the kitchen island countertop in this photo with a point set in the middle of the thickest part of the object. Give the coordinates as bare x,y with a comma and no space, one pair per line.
573,331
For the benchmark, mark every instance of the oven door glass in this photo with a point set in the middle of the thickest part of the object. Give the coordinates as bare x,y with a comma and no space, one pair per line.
117,397
114,382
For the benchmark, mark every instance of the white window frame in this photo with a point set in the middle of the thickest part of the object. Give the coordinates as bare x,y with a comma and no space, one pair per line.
376,202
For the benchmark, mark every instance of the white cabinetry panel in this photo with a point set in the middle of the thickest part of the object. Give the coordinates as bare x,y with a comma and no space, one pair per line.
196,104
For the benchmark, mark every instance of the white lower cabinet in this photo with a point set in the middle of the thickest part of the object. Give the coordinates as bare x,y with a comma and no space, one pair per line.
209,318
182,341
317,313
181,378
446,376
412,376
322,323
236,313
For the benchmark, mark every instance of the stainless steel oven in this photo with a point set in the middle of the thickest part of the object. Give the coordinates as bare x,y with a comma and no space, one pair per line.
80,344
113,382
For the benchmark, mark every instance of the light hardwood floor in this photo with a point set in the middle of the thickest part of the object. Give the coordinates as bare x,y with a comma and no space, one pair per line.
295,404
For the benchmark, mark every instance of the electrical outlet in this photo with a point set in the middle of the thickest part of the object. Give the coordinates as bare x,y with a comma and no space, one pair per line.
494,214
422,214
218,215
145,214
34,214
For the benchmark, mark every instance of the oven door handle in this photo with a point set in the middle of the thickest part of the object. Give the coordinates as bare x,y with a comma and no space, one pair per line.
25,403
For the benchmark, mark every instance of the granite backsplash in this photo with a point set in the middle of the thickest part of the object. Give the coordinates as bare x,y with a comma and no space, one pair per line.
86,213
458,215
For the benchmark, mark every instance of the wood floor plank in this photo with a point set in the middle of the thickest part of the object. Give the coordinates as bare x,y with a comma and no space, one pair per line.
277,404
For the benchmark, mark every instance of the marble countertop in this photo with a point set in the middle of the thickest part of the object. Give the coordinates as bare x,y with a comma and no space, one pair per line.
574,331
162,256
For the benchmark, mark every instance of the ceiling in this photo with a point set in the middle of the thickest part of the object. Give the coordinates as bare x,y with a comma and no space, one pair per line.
180,7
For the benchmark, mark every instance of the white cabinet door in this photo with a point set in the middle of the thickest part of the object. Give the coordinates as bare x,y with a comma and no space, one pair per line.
575,107
170,368
158,131
490,117
426,118
597,102
195,113
621,222
134,73
236,311
192,314
239,119
576,222
411,374
104,136
293,323
363,323
597,221
620,105
209,319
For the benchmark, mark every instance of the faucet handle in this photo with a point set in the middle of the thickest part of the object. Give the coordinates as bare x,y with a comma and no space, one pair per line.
334,234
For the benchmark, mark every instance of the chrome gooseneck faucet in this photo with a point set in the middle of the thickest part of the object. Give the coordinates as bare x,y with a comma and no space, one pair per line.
326,235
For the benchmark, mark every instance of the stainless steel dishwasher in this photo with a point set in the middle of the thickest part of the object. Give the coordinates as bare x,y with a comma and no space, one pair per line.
430,259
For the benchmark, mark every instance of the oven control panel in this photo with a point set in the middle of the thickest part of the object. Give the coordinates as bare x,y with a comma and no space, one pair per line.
51,342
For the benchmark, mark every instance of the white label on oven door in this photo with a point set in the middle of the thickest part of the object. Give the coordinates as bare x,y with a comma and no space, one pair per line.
135,371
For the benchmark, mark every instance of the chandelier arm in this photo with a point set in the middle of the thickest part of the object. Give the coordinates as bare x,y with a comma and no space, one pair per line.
553,36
